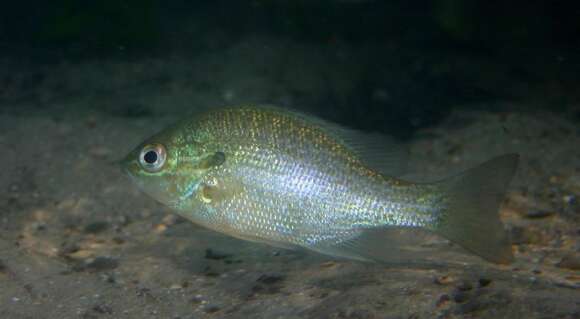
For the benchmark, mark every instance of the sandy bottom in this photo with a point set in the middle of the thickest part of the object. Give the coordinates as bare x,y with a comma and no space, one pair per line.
77,240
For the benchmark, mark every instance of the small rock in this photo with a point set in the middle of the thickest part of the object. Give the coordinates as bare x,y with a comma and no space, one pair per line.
97,264
145,293
68,249
455,149
175,287
269,279
197,299
521,235
211,308
118,240
122,221
468,307
442,300
484,282
538,213
319,294
172,219
443,280
160,228
571,261
569,199
81,254
267,284
459,296
328,264
104,309
464,286
38,226
109,278
230,261
210,272
211,254
96,227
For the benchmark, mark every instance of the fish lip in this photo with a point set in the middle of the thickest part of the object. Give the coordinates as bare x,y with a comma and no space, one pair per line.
126,164
127,171
126,168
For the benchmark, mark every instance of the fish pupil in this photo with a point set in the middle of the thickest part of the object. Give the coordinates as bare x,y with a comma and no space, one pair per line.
150,157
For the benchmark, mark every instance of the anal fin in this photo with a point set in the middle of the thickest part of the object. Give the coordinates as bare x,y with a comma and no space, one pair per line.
392,246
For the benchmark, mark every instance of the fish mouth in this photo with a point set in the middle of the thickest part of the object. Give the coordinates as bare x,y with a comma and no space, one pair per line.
129,167
124,166
128,170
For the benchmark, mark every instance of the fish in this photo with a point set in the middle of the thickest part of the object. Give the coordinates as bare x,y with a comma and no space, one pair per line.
292,180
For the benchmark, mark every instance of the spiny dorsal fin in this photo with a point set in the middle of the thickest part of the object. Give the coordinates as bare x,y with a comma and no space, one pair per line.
377,151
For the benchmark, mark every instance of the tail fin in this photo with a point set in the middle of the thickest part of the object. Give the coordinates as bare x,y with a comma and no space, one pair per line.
471,218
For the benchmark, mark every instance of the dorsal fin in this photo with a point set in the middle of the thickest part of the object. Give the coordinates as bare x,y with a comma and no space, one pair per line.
380,152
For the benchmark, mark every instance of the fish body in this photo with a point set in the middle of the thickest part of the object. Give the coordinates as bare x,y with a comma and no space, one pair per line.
290,180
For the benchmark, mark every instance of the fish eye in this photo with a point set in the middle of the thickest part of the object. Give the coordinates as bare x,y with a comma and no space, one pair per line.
152,157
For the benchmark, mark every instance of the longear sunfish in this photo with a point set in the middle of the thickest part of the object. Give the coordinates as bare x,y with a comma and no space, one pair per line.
291,180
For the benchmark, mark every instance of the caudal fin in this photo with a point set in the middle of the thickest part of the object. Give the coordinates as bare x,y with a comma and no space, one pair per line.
471,217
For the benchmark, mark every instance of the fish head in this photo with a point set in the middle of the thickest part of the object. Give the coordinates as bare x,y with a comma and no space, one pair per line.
171,166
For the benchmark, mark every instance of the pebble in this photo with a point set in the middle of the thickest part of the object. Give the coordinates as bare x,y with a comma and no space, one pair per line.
104,309
211,308
97,264
484,282
569,199
211,254
109,278
96,227
38,226
172,219
538,213
468,307
328,264
267,284
270,278
197,299
464,286
521,235
118,240
571,261
459,296
442,300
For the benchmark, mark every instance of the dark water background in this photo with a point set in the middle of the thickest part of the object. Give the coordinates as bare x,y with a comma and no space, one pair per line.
416,60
